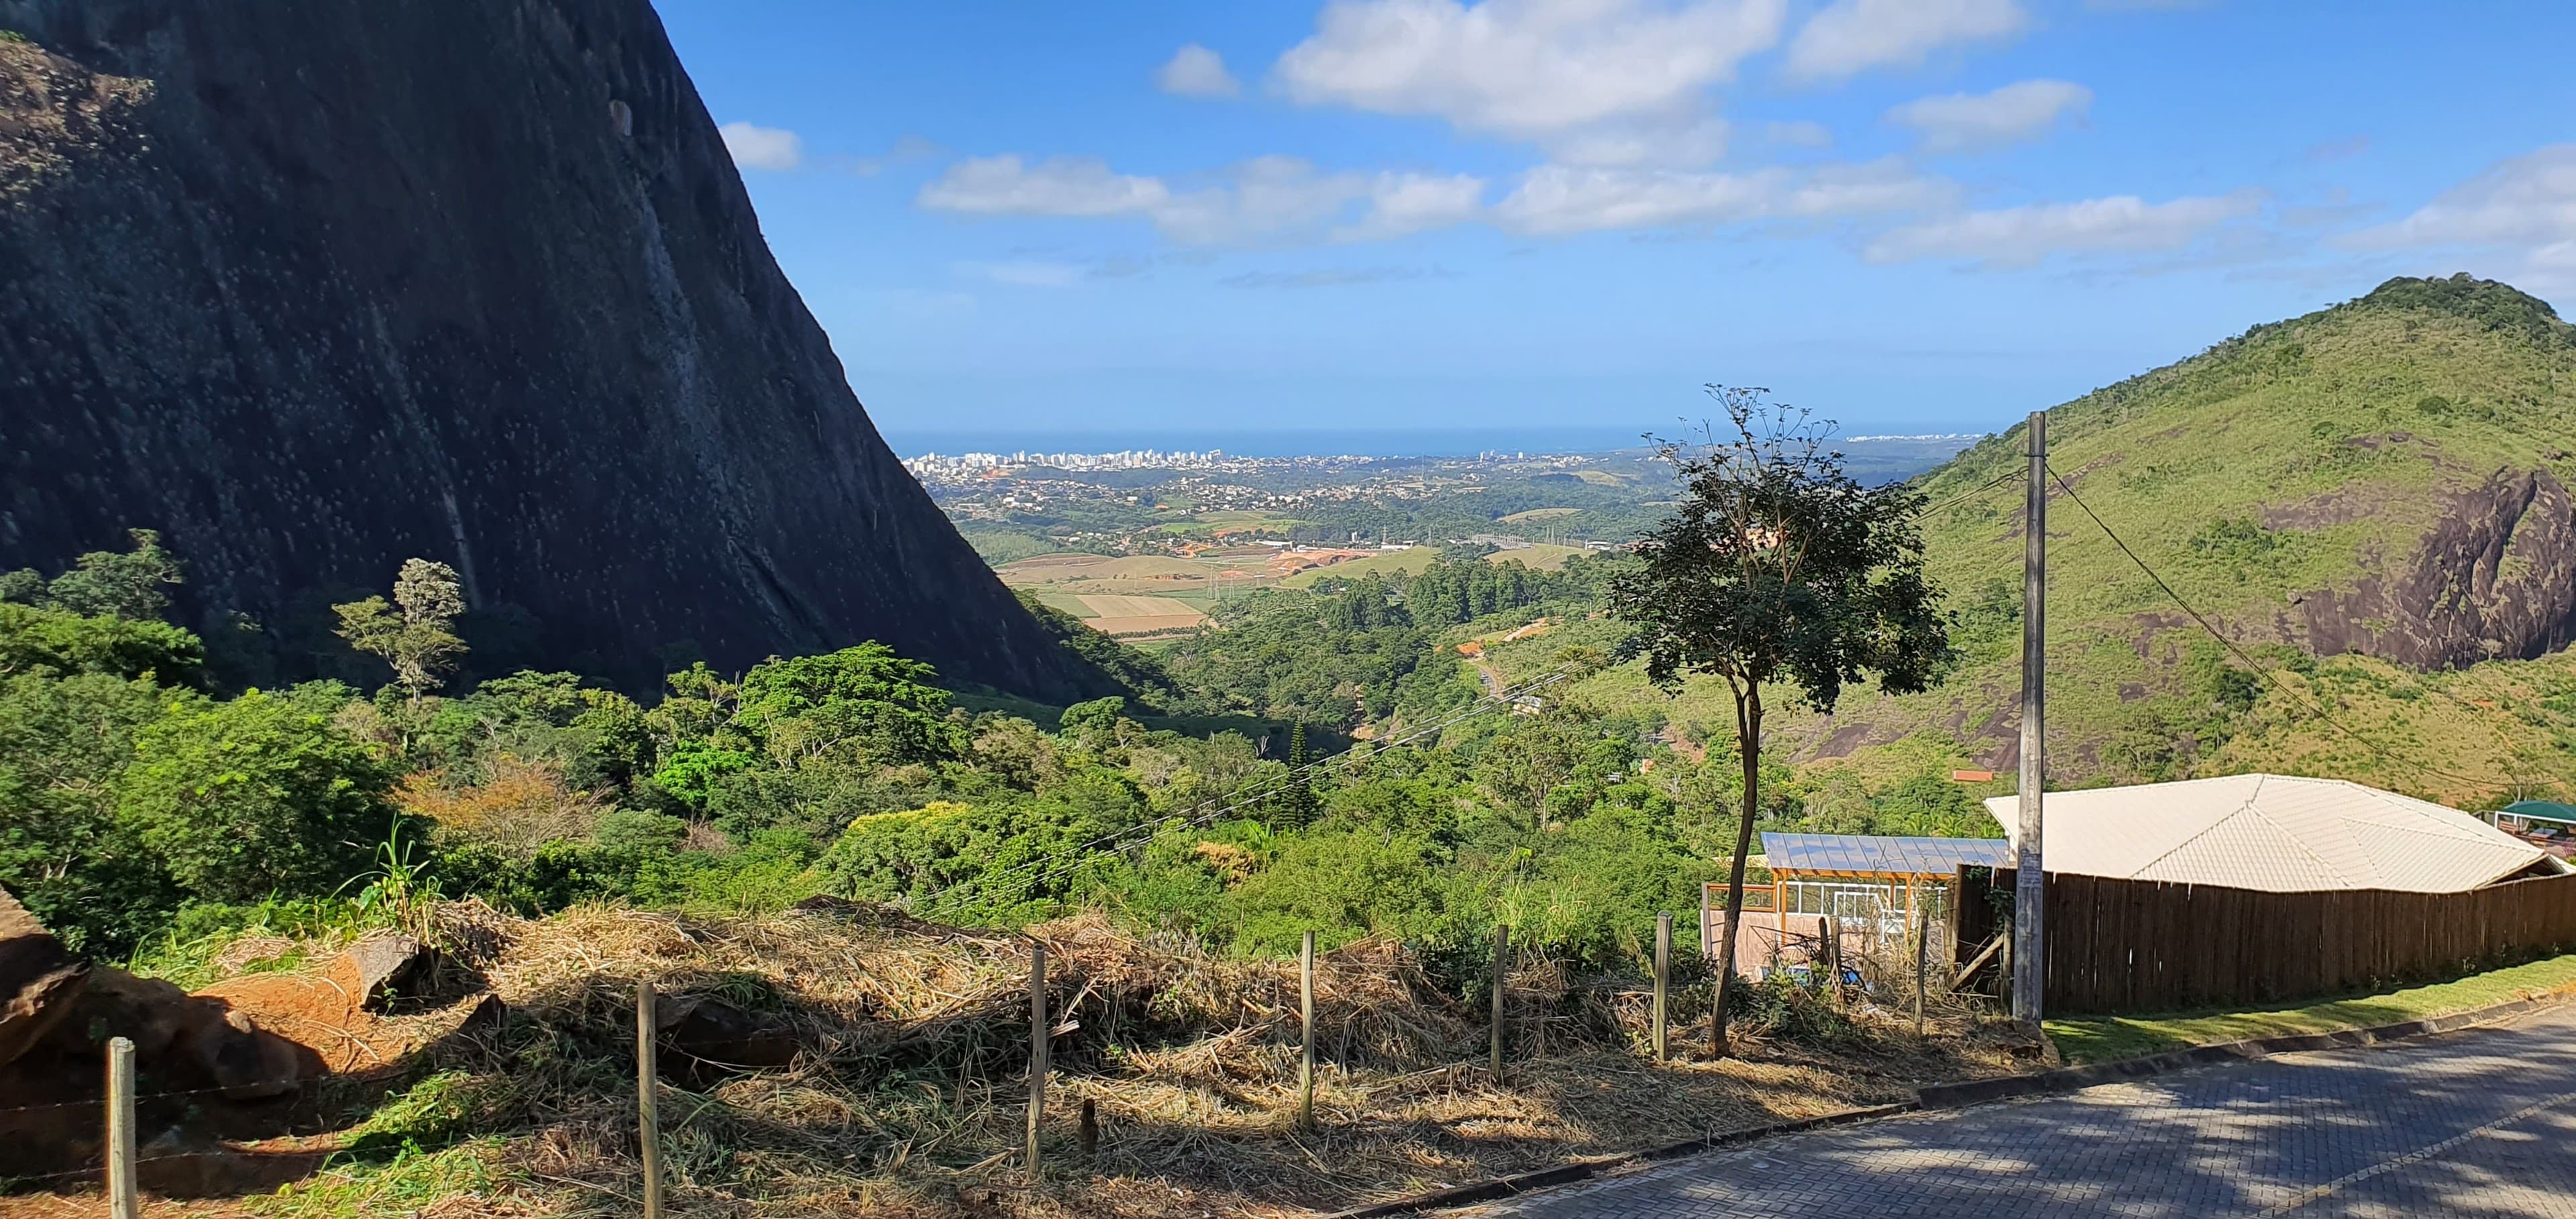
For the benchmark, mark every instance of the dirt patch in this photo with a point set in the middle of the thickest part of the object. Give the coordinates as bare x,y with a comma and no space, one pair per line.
1673,739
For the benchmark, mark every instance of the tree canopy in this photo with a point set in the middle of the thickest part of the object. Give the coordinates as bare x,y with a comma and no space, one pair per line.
1778,568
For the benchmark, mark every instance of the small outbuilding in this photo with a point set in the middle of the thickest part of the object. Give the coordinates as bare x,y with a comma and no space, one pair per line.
2276,833
1866,884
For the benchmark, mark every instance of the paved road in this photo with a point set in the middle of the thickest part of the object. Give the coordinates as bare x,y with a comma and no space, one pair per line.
2472,1123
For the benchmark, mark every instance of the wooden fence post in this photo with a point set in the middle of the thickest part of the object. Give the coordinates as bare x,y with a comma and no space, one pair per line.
1831,936
122,1199
1038,1038
1663,975
1922,936
1502,946
648,1112
1306,1022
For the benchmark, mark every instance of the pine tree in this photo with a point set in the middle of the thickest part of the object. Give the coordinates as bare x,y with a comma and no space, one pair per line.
1297,805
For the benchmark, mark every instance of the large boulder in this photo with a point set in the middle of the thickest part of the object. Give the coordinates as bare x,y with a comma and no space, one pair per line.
39,980
711,1038
186,1041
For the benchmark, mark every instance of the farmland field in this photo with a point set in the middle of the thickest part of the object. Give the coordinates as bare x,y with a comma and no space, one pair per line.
1144,594
1407,561
1539,514
1147,624
1116,615
1540,556
1136,607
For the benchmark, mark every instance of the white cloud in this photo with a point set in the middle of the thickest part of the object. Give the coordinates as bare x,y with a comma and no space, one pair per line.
1263,199
1593,81
1400,204
1800,134
2550,270
756,147
1057,186
1853,36
2021,236
2529,200
1195,71
1964,122
2521,212
1558,199
1257,199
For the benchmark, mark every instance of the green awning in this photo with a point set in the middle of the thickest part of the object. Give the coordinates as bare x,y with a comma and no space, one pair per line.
2542,810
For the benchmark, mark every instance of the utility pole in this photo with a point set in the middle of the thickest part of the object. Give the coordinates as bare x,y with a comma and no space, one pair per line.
2029,883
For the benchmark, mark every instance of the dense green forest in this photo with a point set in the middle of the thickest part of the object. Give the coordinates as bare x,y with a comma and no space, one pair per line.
146,808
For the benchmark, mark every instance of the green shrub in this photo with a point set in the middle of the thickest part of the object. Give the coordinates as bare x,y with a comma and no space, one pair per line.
253,797
34,639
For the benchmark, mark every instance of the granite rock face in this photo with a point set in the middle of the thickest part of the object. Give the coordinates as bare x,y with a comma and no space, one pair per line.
2496,577
313,287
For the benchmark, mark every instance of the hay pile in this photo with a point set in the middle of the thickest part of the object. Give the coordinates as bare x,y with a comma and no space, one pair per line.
907,1094
909,1075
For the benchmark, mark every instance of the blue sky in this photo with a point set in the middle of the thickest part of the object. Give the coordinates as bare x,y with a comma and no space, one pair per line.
1163,221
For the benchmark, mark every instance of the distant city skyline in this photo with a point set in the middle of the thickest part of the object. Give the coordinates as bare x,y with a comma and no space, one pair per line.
1913,216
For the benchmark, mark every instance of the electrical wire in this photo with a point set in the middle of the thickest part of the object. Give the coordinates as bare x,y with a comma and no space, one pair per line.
1963,497
2247,659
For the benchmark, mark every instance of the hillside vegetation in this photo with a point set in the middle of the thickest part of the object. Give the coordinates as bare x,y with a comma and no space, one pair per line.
2371,499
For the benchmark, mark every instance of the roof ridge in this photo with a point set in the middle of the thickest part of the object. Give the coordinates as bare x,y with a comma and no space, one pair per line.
2305,849
2202,832
2284,831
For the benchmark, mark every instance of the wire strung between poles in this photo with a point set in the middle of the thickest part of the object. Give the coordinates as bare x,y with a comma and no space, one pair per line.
2318,709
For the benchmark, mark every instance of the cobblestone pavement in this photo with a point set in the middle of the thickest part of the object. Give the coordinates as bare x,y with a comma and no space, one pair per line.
2481,1122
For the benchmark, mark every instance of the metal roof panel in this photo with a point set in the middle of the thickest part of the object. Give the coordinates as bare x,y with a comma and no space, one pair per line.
2280,833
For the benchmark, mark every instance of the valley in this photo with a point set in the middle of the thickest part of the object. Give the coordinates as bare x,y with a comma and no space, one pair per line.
491,724
2368,503
1144,552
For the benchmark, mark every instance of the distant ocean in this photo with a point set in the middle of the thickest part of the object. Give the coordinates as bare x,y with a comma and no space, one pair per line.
1446,442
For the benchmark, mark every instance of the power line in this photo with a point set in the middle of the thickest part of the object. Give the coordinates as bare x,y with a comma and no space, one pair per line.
2239,653
1963,497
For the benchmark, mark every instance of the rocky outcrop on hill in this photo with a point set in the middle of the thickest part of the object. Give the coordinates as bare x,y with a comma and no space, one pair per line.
313,287
2495,577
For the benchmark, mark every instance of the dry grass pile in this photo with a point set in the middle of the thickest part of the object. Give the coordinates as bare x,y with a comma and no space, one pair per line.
906,1094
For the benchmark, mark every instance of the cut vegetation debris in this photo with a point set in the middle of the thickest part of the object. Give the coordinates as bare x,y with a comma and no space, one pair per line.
902,1079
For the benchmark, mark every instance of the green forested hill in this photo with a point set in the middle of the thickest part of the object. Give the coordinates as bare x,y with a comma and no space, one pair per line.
2372,499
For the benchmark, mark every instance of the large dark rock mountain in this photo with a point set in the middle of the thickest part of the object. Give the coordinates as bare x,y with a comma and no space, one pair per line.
314,286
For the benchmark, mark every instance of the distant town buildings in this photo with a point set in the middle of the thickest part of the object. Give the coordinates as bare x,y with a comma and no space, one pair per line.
935,466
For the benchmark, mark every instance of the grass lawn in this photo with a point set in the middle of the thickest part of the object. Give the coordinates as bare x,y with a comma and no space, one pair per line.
2102,1040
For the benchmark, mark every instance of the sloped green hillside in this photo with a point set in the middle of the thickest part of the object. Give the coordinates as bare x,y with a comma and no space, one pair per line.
2372,499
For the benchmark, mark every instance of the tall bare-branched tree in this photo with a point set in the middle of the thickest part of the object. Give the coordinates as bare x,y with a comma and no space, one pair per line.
1779,572
416,634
